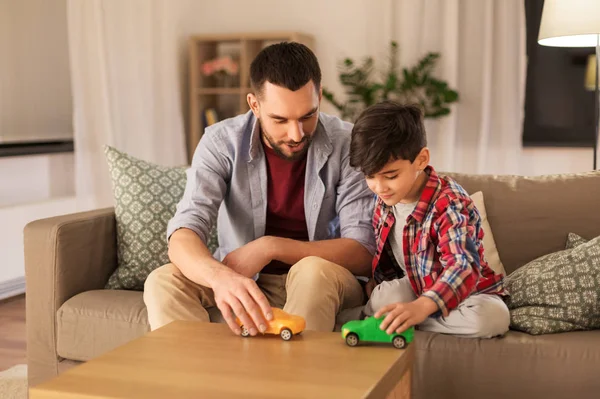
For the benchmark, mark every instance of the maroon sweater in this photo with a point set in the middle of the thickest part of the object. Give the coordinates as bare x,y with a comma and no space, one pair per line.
285,203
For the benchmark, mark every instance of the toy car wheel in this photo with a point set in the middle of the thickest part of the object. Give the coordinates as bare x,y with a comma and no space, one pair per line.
245,332
286,334
352,339
399,342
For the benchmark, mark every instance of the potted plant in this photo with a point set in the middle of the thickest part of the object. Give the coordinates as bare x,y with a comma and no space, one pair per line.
415,84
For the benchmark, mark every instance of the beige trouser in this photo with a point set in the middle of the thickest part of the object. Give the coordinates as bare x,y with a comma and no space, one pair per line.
478,316
314,288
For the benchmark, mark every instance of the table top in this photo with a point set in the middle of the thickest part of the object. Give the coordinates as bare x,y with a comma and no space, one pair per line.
194,359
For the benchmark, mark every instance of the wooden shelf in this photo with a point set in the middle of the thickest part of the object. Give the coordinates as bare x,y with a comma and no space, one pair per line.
222,90
227,101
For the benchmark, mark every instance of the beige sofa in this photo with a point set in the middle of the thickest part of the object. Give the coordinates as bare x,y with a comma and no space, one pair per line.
71,318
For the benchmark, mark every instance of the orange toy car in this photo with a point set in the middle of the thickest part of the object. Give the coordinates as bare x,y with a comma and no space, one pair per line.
283,324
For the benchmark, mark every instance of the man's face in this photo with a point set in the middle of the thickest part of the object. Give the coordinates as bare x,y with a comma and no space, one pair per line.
288,119
399,180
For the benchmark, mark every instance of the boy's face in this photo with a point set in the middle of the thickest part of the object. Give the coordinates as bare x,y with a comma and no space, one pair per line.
288,119
400,180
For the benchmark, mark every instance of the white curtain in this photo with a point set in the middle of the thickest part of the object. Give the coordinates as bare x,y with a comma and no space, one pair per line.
483,56
126,89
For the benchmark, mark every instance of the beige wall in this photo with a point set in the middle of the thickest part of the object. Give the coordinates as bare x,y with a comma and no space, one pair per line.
35,89
342,28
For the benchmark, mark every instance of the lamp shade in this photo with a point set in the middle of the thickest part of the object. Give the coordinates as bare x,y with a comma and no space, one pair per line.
570,23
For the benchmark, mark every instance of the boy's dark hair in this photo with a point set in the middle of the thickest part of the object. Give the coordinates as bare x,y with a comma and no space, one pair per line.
385,132
288,64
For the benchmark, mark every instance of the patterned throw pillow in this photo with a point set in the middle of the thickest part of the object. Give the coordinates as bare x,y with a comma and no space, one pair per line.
558,292
146,196
573,240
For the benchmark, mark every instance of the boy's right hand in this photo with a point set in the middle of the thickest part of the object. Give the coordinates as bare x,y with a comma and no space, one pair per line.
370,287
236,295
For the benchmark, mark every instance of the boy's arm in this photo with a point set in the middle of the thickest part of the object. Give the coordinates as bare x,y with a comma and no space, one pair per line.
458,255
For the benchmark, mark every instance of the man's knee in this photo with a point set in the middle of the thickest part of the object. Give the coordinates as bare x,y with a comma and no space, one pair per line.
314,271
161,278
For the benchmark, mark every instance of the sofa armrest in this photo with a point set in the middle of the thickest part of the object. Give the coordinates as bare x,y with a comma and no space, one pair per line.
64,256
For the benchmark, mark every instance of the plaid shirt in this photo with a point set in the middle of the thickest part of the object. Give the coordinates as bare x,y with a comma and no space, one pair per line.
442,243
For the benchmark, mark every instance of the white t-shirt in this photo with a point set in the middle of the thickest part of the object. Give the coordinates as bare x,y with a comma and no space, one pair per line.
401,212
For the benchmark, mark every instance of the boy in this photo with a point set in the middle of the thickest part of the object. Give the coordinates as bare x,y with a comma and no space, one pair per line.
429,269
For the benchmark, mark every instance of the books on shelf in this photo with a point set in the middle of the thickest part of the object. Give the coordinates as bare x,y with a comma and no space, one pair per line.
210,116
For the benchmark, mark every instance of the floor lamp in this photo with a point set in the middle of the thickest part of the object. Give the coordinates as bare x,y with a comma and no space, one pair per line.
574,23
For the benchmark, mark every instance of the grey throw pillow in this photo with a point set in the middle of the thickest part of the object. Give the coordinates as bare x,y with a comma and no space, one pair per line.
558,292
146,196
573,240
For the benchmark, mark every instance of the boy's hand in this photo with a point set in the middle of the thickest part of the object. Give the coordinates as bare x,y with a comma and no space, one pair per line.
401,316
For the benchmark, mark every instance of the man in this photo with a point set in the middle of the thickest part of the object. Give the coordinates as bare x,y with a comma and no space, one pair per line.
294,218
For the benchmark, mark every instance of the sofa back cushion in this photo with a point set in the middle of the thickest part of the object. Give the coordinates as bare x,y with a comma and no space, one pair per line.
532,216
146,196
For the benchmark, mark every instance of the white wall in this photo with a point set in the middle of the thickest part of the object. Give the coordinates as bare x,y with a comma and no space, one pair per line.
31,188
35,178
545,161
13,220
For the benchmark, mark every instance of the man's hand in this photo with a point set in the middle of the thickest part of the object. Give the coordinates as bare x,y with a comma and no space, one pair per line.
250,258
236,295
401,316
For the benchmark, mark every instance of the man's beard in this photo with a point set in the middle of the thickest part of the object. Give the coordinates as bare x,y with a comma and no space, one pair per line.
277,147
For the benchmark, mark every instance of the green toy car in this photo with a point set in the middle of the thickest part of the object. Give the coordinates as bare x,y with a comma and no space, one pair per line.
368,330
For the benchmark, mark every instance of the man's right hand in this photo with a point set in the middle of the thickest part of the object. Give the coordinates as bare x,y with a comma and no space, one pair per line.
236,295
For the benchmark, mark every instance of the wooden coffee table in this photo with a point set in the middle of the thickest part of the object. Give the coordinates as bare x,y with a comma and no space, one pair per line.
205,360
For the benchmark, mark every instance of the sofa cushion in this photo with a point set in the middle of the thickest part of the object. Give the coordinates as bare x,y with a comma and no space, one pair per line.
94,322
532,215
146,196
558,292
489,244
517,365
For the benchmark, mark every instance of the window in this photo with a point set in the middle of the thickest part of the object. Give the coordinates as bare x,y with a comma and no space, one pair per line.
559,111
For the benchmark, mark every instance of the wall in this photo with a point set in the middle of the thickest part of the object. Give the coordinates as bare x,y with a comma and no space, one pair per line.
35,178
31,188
341,29
544,161
35,88
13,219
35,104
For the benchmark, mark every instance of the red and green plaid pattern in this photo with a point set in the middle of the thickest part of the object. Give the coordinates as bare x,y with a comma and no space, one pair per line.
443,246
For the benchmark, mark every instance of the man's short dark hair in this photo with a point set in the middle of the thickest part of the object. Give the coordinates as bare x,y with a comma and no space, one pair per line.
385,132
288,64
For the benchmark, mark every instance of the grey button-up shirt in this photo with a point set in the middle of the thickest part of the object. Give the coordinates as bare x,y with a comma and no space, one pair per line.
228,179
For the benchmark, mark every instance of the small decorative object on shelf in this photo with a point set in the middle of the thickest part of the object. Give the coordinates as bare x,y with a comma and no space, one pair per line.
224,69
368,330
283,324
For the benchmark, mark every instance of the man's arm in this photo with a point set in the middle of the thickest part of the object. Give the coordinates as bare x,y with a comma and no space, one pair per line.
345,252
235,295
